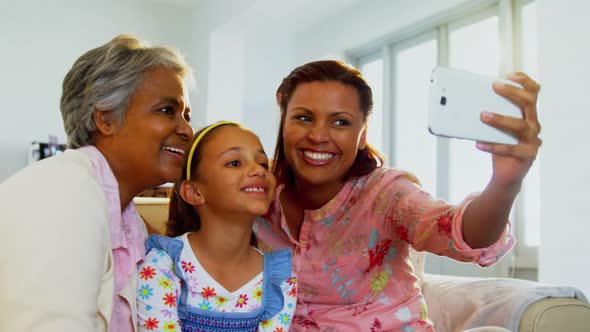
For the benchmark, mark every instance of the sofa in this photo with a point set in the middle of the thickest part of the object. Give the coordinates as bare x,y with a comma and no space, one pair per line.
459,303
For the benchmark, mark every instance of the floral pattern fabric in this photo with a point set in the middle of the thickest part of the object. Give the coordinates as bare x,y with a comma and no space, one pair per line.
352,255
159,289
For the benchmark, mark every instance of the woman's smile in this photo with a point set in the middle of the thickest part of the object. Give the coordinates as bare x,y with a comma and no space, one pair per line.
315,158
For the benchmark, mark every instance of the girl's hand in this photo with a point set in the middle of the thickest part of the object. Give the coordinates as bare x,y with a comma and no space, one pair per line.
512,162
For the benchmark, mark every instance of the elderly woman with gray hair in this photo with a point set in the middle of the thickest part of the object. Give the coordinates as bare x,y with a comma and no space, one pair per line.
70,236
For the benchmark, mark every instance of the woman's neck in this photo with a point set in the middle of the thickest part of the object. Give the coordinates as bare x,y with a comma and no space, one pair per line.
126,196
128,189
312,197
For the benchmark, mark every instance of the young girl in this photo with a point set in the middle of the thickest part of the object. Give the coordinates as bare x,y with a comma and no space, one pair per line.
209,277
351,222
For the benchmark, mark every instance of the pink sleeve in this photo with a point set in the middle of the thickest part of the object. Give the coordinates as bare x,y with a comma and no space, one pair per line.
433,225
484,256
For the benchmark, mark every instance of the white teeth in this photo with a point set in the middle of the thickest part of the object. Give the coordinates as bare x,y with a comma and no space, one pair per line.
318,155
175,150
256,190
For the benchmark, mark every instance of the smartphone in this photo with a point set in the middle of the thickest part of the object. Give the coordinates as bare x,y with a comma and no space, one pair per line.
457,97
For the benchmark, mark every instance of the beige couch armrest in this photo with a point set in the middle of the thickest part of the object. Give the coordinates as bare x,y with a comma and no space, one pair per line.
154,212
556,314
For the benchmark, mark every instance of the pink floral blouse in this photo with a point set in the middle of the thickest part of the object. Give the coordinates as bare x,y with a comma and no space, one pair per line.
352,256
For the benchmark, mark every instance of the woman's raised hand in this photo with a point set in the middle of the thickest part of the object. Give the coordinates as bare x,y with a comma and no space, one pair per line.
512,162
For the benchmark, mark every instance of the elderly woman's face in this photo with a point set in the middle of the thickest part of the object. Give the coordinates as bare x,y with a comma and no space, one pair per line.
155,133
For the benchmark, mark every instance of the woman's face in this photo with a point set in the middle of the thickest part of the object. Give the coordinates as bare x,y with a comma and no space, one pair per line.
323,131
233,174
149,146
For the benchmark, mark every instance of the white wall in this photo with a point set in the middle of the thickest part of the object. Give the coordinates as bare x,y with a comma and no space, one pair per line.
41,40
226,81
261,112
210,47
564,63
247,53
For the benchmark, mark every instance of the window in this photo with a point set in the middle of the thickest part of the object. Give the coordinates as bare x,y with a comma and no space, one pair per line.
372,69
413,63
493,40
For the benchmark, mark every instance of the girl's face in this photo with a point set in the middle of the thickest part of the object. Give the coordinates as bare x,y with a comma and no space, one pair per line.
154,136
323,131
233,175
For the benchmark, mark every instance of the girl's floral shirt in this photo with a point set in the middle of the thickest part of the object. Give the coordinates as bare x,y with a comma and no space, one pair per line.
159,293
352,256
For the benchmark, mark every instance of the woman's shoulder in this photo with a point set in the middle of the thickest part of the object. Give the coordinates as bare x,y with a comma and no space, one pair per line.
70,198
381,183
68,168
385,176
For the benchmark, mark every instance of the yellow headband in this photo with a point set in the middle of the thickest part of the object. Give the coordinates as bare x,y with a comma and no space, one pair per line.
196,142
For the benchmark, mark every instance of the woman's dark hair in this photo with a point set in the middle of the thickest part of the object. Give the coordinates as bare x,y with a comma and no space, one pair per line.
182,217
368,158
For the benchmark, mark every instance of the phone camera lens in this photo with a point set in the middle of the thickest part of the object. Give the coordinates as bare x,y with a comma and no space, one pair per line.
443,100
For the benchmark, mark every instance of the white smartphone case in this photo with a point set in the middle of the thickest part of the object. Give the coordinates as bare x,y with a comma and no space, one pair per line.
457,98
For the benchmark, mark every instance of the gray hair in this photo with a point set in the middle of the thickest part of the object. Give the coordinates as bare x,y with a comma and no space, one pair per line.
105,78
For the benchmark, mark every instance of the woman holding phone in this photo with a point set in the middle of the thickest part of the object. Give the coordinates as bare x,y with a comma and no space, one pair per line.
351,222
